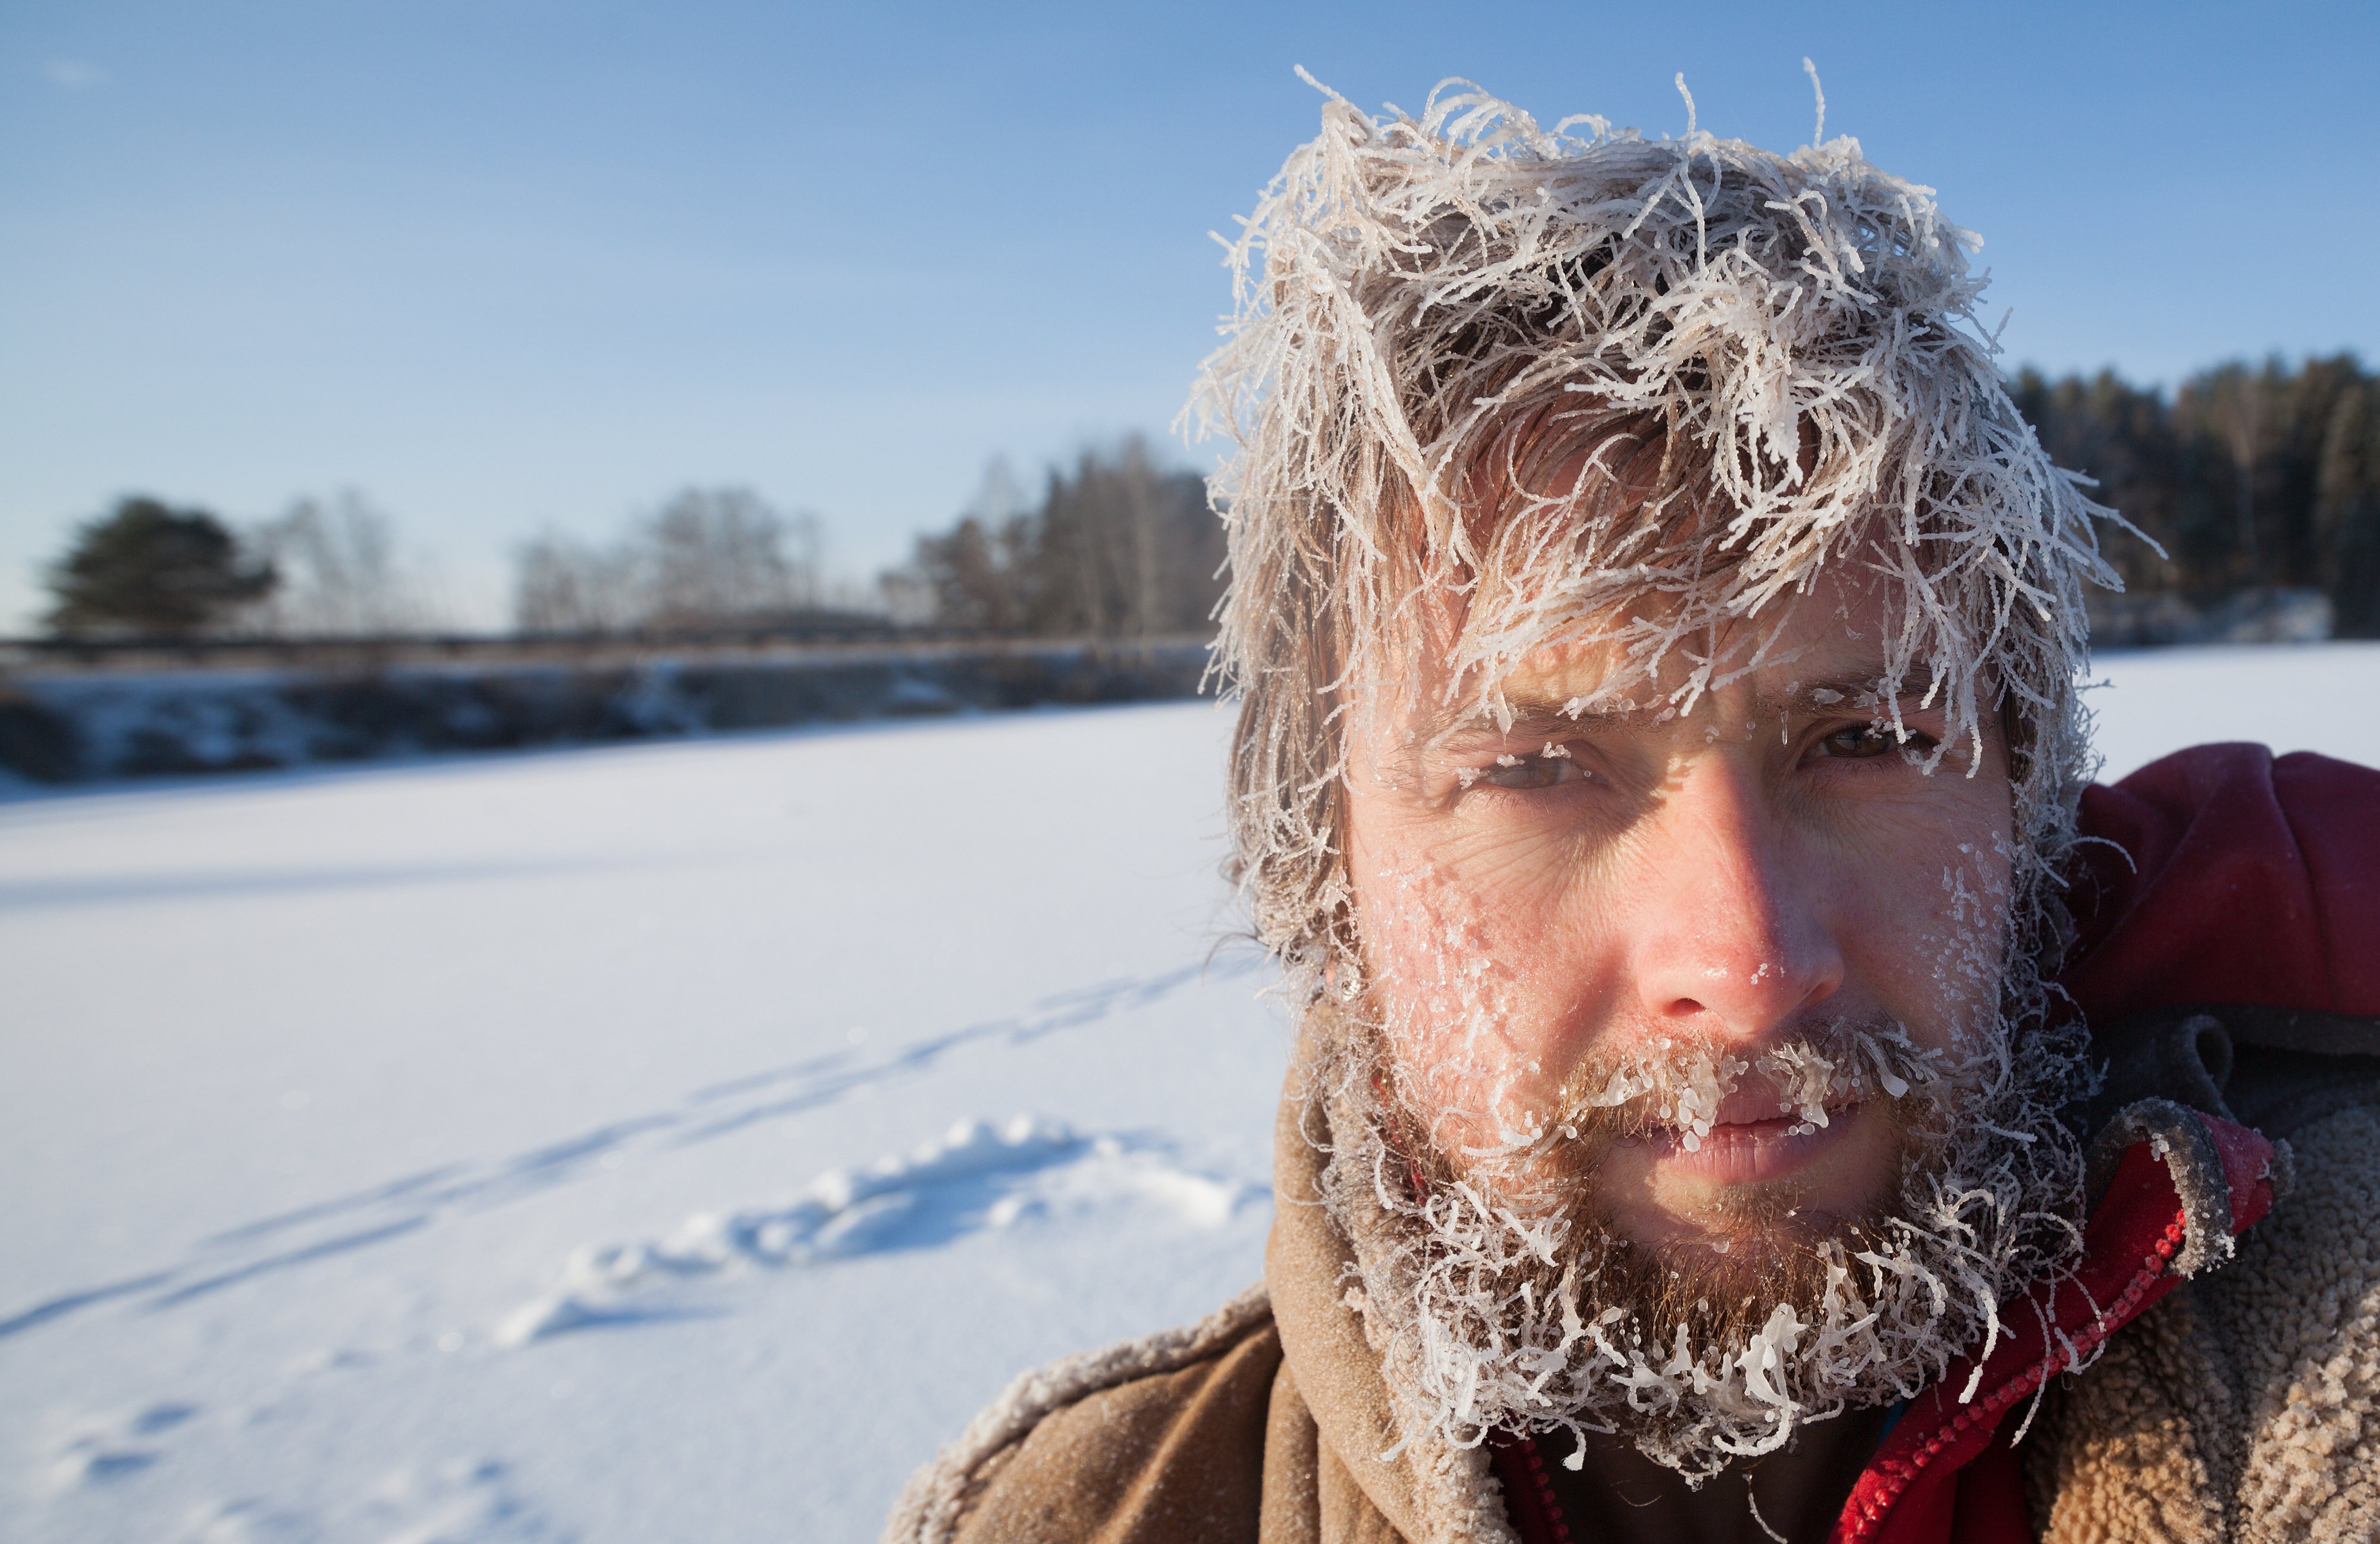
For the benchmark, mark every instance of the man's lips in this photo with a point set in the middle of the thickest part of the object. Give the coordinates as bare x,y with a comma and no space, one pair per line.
1747,1151
1757,1104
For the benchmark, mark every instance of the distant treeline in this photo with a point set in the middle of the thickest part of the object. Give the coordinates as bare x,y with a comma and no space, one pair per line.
2248,477
1117,547
323,568
708,557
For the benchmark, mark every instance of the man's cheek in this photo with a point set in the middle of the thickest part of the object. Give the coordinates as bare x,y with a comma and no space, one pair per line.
1460,952
1449,1003
1470,943
1428,922
1934,946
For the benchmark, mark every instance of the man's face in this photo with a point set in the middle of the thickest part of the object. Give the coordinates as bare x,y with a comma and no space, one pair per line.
1541,904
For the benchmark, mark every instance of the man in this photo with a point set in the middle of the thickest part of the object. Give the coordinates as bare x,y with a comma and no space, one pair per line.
1750,1088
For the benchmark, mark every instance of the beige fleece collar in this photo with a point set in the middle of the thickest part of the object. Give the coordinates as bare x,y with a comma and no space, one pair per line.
1429,1492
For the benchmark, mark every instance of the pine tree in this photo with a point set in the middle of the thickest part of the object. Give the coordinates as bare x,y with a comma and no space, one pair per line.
146,569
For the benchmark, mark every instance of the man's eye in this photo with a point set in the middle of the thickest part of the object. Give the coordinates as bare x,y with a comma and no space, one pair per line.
1867,741
1525,773
1857,744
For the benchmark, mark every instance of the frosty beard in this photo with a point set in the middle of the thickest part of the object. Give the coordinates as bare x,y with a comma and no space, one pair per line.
1499,1297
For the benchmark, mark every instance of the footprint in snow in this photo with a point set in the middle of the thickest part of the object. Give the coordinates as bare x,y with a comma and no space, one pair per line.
463,1501
977,1177
109,1449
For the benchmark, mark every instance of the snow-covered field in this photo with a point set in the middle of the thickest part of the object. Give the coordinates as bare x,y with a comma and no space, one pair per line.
673,1142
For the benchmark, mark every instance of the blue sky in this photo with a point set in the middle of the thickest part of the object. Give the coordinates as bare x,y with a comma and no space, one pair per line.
510,266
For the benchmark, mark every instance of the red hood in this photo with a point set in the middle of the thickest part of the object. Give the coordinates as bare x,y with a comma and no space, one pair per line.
2241,878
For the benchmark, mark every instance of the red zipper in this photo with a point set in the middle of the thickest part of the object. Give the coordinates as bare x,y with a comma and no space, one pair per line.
1899,1474
1557,1524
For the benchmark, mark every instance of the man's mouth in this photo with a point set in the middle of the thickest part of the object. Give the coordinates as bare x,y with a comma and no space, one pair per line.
1746,1150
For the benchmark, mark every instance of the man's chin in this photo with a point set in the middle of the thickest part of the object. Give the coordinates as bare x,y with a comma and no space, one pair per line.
1741,1223
1719,1281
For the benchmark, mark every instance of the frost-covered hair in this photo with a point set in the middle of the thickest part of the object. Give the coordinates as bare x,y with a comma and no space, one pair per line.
1769,365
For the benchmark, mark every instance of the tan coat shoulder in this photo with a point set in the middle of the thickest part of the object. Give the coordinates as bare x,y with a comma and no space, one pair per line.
2247,1406
1148,1442
2300,1312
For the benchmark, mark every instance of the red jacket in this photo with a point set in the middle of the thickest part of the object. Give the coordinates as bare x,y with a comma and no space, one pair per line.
2218,875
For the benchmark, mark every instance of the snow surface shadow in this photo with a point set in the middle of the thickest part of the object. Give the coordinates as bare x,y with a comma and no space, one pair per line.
106,890
325,1249
394,1190
104,1451
248,1250
818,1080
66,1303
466,1500
461,1501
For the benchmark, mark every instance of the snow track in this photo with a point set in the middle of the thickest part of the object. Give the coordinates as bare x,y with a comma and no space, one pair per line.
977,1177
624,1143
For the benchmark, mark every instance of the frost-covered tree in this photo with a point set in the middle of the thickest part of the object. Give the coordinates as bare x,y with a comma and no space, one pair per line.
708,557
564,585
724,554
975,575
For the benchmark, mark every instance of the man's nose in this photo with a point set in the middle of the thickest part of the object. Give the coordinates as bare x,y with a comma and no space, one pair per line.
1734,938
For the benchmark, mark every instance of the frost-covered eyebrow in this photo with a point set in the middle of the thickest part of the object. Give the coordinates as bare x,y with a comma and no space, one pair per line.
1534,715
1831,697
1531,716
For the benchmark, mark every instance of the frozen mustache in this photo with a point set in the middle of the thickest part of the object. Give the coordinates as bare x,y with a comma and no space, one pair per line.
1680,1084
